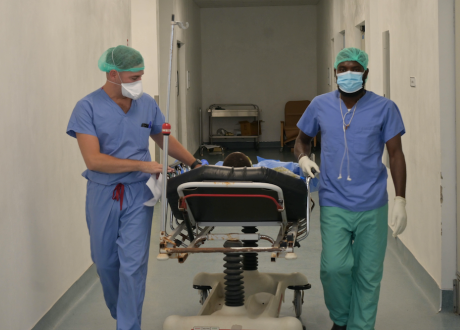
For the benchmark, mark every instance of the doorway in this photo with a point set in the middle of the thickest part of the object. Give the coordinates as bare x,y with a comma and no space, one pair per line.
342,46
360,34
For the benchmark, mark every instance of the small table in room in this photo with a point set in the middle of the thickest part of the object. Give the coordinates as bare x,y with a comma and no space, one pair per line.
244,110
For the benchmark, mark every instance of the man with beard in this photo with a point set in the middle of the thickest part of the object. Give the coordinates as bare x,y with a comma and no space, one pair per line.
355,126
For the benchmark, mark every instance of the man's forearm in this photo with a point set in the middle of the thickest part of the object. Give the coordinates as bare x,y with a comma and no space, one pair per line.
302,147
109,164
175,149
398,172
97,161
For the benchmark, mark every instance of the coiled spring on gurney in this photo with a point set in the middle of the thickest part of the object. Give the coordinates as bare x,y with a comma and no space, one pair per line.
303,225
302,234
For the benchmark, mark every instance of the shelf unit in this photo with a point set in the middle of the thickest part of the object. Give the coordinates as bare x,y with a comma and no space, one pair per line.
249,110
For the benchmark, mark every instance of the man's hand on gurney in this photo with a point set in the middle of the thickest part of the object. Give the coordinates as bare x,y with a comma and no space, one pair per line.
153,168
307,166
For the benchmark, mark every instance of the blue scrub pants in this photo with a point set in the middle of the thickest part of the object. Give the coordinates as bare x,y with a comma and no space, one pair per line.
120,241
354,245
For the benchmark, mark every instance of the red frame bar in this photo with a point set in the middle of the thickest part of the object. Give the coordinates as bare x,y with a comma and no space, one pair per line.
183,205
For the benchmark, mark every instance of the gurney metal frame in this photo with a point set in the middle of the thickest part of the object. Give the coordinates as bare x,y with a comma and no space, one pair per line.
288,231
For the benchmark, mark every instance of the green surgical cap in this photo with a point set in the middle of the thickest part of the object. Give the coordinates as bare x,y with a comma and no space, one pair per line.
121,58
352,54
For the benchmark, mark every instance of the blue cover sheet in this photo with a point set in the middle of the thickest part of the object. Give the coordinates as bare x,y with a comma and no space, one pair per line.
291,166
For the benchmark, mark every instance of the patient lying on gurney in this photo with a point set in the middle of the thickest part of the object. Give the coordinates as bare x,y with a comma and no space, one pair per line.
239,159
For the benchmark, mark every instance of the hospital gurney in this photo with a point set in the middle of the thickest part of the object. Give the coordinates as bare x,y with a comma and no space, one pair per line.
212,196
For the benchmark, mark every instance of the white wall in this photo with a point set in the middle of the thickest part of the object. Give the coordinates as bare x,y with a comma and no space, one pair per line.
185,11
260,55
49,54
428,110
448,143
457,120
144,29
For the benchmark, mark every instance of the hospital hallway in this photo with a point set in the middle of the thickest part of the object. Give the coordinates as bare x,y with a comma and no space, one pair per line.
91,88
169,284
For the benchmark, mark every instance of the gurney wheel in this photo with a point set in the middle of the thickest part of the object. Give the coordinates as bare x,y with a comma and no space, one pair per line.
298,302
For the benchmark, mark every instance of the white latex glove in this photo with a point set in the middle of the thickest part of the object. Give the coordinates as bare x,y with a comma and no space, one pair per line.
306,164
399,216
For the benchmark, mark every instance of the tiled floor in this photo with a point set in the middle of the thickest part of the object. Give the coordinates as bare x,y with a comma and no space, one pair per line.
169,287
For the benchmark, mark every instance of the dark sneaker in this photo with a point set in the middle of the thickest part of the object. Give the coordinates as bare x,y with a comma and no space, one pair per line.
339,327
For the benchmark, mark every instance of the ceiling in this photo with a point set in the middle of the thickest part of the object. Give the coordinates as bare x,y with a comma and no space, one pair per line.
252,3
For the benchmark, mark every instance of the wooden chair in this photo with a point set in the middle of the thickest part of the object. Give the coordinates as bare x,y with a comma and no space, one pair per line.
292,113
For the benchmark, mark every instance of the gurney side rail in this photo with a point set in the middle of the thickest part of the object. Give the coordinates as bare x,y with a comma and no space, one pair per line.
183,205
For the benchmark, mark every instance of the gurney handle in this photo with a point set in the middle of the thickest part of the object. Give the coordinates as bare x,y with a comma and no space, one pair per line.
308,203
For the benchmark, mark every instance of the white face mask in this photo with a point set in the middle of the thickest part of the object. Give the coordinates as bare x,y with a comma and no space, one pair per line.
132,90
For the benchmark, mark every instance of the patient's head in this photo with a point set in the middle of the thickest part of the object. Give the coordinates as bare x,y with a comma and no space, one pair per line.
237,159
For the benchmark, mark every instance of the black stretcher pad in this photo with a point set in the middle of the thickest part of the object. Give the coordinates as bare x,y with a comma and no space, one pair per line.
239,209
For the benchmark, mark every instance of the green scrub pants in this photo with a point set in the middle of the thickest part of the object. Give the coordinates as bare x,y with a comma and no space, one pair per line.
354,245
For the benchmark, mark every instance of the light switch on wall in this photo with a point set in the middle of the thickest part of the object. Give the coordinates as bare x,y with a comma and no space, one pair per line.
412,81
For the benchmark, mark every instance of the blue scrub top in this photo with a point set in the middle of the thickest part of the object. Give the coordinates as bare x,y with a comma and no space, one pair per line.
377,120
121,135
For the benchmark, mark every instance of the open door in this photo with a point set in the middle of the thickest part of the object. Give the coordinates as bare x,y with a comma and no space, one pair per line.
181,94
178,93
